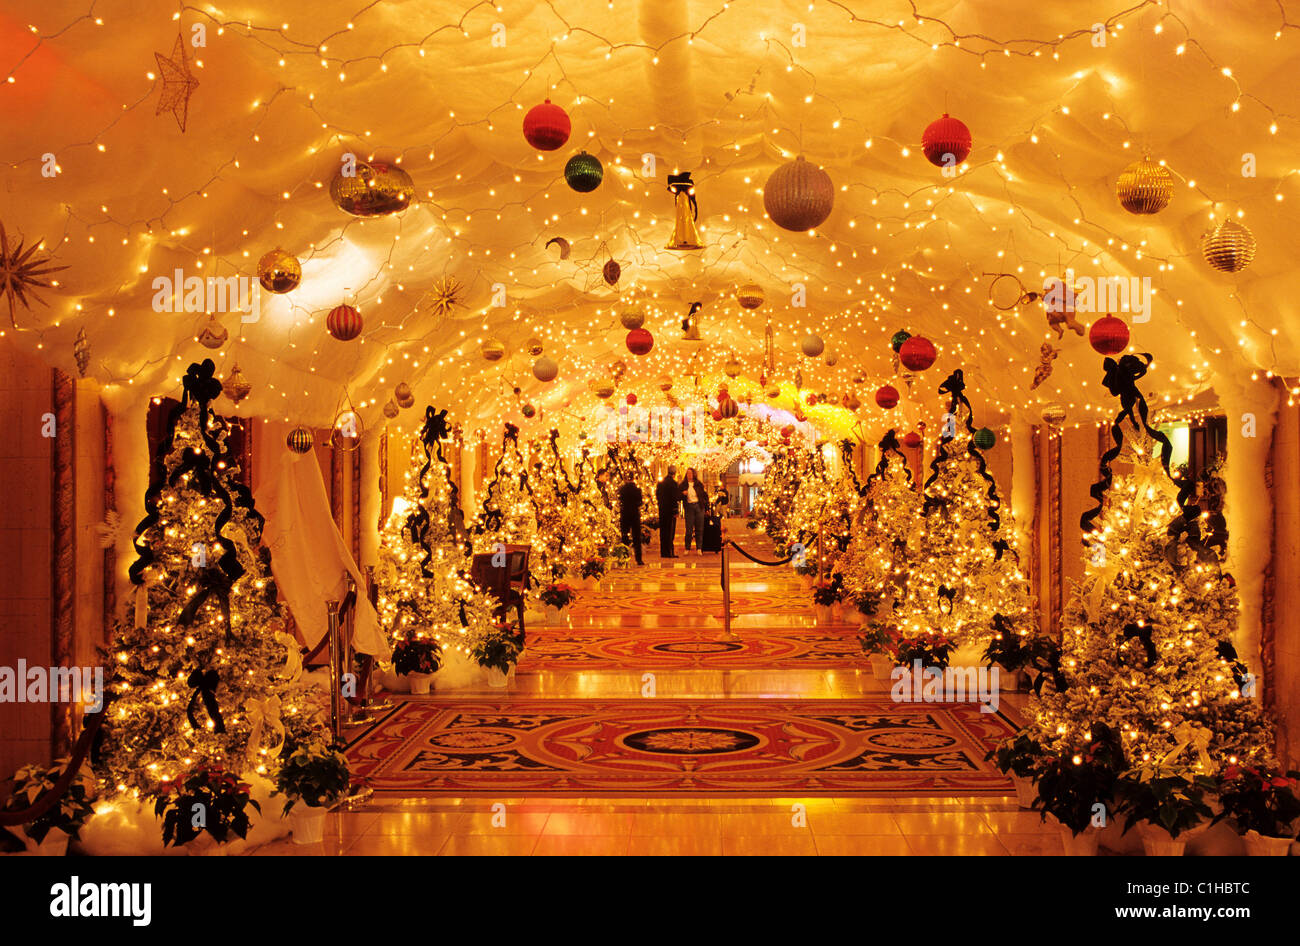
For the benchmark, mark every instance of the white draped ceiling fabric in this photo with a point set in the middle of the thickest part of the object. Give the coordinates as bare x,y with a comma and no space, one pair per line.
1059,97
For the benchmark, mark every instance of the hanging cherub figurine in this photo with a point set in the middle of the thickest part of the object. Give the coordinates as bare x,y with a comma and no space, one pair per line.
1047,354
1059,302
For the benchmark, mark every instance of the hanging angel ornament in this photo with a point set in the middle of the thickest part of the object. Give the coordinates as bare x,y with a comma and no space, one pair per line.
1046,355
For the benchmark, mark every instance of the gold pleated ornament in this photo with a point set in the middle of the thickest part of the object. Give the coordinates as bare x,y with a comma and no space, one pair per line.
236,386
732,368
493,350
686,235
602,388
1229,247
750,296
1145,187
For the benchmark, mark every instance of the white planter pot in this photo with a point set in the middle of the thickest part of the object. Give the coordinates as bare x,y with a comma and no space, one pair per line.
1083,844
419,682
823,614
495,677
1261,845
1009,680
882,665
308,823
1157,842
1026,791
54,845
553,617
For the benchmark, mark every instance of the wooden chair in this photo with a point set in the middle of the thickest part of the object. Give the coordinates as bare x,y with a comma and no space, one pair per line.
491,580
517,572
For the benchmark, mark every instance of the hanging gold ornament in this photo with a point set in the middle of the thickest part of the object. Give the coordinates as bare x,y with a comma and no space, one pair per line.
750,296
773,390
403,396
1145,187
665,384
1229,247
602,388
831,359
545,369
390,409
81,352
372,189
214,334
632,318
493,350
235,387
618,369
852,402
732,368
1054,415
279,272
686,236
798,380
534,346
443,296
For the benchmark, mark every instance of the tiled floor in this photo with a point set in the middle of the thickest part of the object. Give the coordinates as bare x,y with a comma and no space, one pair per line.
683,825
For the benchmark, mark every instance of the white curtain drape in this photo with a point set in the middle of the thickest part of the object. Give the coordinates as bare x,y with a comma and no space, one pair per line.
309,558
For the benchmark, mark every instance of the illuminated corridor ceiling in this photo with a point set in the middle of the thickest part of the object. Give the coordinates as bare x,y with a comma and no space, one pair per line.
728,92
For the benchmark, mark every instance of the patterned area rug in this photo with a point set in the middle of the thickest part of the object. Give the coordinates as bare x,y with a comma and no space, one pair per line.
769,648
700,747
692,602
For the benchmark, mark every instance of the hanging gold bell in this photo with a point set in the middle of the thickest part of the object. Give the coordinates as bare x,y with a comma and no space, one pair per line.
686,236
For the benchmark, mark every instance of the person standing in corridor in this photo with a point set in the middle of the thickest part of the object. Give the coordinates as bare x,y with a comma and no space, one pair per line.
668,496
694,501
629,515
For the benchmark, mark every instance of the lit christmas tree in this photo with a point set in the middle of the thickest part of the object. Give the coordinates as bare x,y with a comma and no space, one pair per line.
776,497
423,567
201,672
1146,643
622,460
556,551
508,515
965,581
596,518
876,563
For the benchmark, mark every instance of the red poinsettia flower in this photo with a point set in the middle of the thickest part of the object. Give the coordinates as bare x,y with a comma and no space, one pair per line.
1231,772
1279,781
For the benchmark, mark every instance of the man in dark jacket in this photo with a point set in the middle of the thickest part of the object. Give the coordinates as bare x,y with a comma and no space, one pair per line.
669,496
629,515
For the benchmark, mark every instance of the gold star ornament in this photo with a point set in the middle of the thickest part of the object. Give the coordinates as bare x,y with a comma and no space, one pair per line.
443,296
21,272
178,83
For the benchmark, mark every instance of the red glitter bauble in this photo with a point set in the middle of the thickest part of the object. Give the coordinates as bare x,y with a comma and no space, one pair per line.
640,341
547,126
887,396
946,142
917,353
1108,335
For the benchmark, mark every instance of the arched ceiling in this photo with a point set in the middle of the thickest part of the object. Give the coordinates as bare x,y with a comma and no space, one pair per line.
1057,108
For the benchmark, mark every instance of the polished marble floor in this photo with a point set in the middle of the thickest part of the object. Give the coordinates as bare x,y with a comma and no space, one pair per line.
683,825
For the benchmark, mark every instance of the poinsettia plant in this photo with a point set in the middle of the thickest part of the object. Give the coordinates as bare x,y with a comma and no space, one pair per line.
1070,787
1171,800
933,650
207,799
1260,800
68,815
417,655
498,649
1017,755
868,602
313,773
828,592
558,595
879,639
592,568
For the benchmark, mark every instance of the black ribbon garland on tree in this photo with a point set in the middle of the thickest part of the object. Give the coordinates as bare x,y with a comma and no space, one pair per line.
205,683
846,456
1121,380
955,385
888,444
417,523
1227,652
494,517
1142,633
946,594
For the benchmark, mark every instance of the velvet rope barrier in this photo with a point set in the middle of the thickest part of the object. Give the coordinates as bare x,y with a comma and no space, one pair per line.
758,561
1121,380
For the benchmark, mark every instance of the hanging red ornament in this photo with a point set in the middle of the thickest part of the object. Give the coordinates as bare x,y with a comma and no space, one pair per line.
611,271
547,126
631,399
946,142
787,431
887,396
727,408
343,322
1108,335
912,439
640,341
917,353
